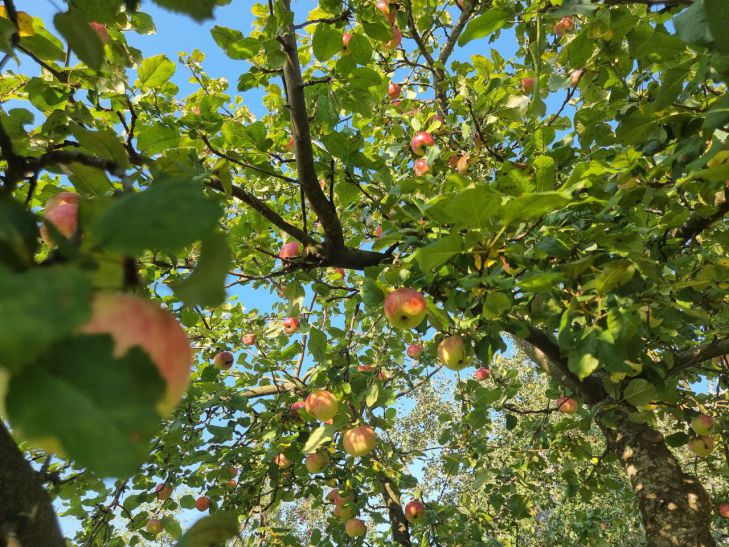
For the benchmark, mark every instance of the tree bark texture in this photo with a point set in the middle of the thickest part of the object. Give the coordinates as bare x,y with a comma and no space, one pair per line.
398,523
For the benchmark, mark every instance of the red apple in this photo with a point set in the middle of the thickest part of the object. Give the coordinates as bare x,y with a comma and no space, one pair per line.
355,528
290,325
322,404
339,273
365,368
334,497
163,491
154,526
346,37
396,38
231,484
133,321
452,352
527,85
421,141
421,167
296,409
563,26
414,511
567,405
359,441
378,231
282,461
415,351
482,374
405,308
232,471
202,503
317,461
724,510
462,164
702,424
101,31
249,339
702,446
62,212
224,360
290,250
393,90
290,144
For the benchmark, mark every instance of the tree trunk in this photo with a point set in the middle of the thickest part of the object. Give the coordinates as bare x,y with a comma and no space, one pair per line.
25,508
398,523
676,509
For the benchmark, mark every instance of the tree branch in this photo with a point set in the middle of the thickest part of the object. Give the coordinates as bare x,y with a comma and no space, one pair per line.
699,354
398,523
697,224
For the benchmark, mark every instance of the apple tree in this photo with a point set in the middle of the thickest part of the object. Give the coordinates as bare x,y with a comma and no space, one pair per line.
419,205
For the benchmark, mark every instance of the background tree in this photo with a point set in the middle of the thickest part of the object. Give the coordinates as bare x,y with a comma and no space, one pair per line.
396,192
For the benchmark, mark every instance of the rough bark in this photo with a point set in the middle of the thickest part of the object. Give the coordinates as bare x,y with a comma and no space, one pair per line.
25,508
676,509
398,523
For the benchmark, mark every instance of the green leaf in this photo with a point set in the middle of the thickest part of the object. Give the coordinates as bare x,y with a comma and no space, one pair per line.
583,363
317,344
81,38
640,392
545,173
360,49
677,439
235,45
156,71
39,308
495,304
483,25
377,31
371,293
321,435
105,144
692,25
205,286
614,275
155,139
18,235
212,530
437,316
438,253
373,393
717,15
540,281
534,205
471,208
88,181
326,42
167,216
101,409
198,9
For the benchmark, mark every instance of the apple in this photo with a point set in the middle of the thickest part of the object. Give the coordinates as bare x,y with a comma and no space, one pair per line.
249,339
527,85
322,404
101,31
344,510
415,351
396,38
702,424
291,144
460,3
414,511
359,441
563,26
421,167
290,325
421,141
224,360
154,526
365,368
452,352
393,90
462,164
339,273
334,497
482,374
231,484
317,461
282,461
290,250
405,308
724,510
702,446
346,37
384,7
378,231
296,409
232,471
576,76
62,212
567,405
383,375
355,528
202,503
133,321
163,491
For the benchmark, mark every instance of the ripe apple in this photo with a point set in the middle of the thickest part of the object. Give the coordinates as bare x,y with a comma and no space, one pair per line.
154,526
62,212
452,352
527,85
339,273
462,164
224,360
415,351
359,441
365,368
334,497
414,511
482,374
567,405
231,484
355,528
563,26
405,308
393,90
133,321
317,461
346,37
249,339
290,250
344,510
576,76
291,144
297,409
164,491
322,404
396,38
232,471
378,231
383,6
290,325
282,461
702,424
202,503
101,31
421,141
702,446
724,510
421,167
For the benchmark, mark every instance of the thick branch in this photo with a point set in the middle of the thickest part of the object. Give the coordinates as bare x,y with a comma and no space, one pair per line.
445,53
398,523
696,224
700,354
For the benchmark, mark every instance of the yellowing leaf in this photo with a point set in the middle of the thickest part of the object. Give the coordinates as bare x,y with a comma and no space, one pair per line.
25,22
